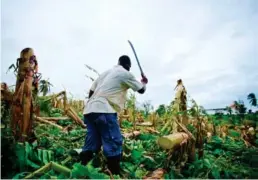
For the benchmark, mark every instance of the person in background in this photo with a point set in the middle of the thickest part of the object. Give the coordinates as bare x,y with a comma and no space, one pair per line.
107,97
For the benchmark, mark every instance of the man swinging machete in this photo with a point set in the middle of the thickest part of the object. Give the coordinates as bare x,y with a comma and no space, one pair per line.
107,97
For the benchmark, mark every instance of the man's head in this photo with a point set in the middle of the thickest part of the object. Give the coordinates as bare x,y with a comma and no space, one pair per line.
179,81
125,62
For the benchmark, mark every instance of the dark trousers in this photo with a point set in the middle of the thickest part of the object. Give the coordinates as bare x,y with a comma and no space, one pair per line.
103,130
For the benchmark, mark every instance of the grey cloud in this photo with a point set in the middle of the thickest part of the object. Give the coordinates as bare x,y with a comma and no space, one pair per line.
210,46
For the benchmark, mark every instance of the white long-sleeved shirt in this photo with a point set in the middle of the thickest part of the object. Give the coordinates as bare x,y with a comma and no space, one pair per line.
110,91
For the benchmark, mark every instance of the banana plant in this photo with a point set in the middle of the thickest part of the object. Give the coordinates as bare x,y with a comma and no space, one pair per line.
44,86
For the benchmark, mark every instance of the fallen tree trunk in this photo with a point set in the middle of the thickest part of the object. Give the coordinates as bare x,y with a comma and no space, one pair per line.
55,118
48,122
72,114
144,124
172,140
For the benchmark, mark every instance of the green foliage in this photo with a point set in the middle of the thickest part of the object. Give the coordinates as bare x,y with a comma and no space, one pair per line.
136,156
161,110
45,106
223,157
44,142
65,122
88,171
60,151
55,112
131,101
256,142
20,175
234,133
30,157
126,124
217,165
146,137
240,108
191,128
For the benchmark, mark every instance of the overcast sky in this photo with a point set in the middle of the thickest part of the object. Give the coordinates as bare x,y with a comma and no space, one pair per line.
211,44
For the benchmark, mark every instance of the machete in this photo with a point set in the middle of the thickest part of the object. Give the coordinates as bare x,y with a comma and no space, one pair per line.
136,58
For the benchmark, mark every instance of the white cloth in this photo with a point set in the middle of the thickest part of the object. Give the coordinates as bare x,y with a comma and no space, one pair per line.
110,91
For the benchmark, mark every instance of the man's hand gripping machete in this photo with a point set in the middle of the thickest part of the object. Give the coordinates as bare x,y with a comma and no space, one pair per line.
144,78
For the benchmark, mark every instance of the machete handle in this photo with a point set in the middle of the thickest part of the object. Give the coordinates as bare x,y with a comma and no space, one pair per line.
144,78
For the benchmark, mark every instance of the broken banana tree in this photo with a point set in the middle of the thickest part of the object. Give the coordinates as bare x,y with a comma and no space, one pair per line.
196,111
180,103
68,110
26,90
42,120
184,141
178,109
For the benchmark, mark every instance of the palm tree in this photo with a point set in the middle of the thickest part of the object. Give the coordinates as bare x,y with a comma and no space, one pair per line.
44,86
252,99
229,110
240,108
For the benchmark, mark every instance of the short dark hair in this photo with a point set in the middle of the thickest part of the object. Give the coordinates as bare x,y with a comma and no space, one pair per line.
125,62
25,50
179,81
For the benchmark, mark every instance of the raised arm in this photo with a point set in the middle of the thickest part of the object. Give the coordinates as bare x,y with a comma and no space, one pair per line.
135,85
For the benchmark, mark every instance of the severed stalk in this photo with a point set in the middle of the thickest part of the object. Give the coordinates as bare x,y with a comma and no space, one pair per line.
50,166
41,170
66,160
145,124
60,168
185,129
172,140
48,122
55,118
